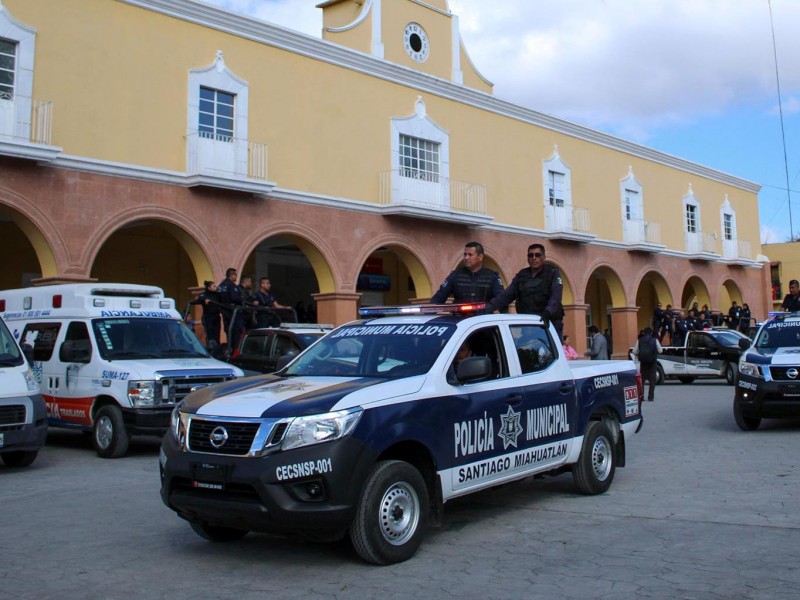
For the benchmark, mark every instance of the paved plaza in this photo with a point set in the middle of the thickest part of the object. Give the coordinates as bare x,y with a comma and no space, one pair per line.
702,510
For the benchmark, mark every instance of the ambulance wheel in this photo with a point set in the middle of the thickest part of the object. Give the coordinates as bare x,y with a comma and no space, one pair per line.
745,422
109,435
217,534
686,380
19,458
594,471
660,375
392,514
730,374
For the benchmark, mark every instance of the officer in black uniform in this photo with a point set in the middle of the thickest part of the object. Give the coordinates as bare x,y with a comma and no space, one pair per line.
536,289
230,295
681,328
791,302
692,323
744,321
209,300
471,283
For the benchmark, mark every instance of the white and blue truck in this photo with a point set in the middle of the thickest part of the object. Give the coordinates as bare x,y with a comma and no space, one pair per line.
373,428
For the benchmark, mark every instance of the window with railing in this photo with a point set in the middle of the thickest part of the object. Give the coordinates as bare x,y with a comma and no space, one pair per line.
216,114
8,68
419,159
556,188
727,226
691,218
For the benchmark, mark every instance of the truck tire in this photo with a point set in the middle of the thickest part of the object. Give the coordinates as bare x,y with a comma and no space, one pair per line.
594,471
391,515
19,458
744,422
730,373
660,378
109,435
217,534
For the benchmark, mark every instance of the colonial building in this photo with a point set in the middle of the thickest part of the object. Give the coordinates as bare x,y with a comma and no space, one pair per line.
162,141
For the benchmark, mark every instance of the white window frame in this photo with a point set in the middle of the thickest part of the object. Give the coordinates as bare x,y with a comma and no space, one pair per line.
632,209
694,238
19,123
730,244
558,216
424,153
217,132
691,217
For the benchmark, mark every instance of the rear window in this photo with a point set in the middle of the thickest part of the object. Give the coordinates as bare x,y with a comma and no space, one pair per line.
42,337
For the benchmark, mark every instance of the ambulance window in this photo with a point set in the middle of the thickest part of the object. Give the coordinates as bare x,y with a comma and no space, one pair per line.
42,336
77,331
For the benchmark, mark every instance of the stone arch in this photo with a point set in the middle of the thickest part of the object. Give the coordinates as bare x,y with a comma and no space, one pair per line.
310,244
409,252
651,288
607,272
192,238
728,292
694,289
48,245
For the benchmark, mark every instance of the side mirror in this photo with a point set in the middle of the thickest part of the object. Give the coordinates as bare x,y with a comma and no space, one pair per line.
474,369
744,344
75,351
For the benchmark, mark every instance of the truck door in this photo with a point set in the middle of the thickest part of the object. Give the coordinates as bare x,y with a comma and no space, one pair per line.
551,405
704,356
42,337
75,355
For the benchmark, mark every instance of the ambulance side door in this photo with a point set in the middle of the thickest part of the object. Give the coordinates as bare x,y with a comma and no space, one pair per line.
42,337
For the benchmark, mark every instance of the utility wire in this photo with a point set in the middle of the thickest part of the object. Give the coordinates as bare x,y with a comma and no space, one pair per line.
783,133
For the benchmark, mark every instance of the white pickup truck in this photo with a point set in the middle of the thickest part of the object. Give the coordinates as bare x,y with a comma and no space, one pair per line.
373,428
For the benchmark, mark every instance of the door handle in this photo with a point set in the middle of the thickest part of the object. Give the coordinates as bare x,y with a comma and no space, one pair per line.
514,399
566,387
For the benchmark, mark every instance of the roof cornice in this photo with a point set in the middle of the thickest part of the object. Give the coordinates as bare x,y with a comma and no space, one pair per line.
270,34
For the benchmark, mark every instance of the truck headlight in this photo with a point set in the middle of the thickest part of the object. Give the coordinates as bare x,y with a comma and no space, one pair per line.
178,426
750,369
142,393
305,431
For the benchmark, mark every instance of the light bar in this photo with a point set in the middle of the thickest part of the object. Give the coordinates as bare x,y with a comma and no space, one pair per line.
781,313
422,309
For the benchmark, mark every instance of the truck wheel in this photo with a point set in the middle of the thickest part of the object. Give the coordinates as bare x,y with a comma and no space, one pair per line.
217,534
391,514
19,458
660,378
744,422
686,379
109,435
594,471
730,374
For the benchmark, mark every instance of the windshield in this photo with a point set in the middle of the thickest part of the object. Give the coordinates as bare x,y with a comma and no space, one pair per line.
389,351
145,338
779,334
729,338
10,356
309,338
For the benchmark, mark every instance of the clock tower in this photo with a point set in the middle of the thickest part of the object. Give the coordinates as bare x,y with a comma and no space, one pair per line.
419,34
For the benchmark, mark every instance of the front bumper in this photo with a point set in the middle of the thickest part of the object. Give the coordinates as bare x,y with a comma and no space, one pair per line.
29,436
311,489
767,399
147,421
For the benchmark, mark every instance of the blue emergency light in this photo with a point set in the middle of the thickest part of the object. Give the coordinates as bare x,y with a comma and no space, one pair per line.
422,309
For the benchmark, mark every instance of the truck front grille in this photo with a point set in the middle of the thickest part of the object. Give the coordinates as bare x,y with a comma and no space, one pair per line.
12,414
174,386
239,440
780,373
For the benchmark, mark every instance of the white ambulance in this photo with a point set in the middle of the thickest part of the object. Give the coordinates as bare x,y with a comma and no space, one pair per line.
110,358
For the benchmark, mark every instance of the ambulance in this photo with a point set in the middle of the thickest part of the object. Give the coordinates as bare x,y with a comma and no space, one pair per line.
112,359
23,417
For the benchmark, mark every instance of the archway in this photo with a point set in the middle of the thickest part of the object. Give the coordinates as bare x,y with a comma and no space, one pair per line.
153,252
603,291
652,290
33,256
296,269
694,291
392,275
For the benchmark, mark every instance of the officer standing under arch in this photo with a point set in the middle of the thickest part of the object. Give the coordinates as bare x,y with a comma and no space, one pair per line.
471,283
536,289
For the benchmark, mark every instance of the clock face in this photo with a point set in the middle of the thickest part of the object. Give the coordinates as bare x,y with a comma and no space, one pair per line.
416,42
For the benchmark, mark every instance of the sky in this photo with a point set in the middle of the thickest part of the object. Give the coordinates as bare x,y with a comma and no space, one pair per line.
696,79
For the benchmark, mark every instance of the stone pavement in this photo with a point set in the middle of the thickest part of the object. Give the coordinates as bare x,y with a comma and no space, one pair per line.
703,510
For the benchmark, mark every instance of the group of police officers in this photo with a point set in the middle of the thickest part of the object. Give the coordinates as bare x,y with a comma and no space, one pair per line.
673,323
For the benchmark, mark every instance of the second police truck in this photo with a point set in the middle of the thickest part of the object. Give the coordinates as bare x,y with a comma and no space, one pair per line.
110,358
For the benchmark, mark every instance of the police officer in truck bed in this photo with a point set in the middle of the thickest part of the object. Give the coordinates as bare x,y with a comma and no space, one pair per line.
471,283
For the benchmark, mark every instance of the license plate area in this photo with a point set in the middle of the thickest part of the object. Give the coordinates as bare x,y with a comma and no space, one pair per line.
210,476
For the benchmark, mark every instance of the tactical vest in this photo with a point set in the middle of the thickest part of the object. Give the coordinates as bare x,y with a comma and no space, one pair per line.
469,287
533,293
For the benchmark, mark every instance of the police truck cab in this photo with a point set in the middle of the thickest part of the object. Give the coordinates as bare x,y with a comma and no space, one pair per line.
110,358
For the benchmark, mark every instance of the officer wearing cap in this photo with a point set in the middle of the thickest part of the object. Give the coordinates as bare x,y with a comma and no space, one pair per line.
472,282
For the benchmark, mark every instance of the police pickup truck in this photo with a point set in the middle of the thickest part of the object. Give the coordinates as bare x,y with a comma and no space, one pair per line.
768,384
707,353
373,428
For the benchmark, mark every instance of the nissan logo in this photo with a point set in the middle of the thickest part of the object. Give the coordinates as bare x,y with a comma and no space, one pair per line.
792,373
218,437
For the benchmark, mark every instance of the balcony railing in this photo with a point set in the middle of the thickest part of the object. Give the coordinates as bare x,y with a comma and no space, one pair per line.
26,127
701,243
228,157
433,193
